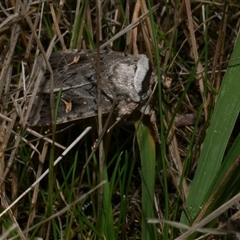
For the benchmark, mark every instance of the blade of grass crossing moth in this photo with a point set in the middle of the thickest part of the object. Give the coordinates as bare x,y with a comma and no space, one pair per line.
57,104
156,50
51,166
146,145
217,137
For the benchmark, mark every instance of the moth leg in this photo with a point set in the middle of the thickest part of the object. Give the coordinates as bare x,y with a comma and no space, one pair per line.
68,105
117,121
124,110
75,60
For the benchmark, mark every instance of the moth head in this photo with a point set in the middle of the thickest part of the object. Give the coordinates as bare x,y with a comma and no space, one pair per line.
142,78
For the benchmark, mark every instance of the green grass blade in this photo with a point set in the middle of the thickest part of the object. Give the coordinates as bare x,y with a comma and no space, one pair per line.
106,223
221,125
226,184
148,162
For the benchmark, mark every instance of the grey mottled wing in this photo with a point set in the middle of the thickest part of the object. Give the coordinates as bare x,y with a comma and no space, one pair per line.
130,78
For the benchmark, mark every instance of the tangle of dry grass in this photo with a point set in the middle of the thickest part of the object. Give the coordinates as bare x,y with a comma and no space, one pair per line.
190,35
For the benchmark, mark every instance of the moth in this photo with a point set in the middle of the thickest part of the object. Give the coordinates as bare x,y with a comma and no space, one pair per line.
127,78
